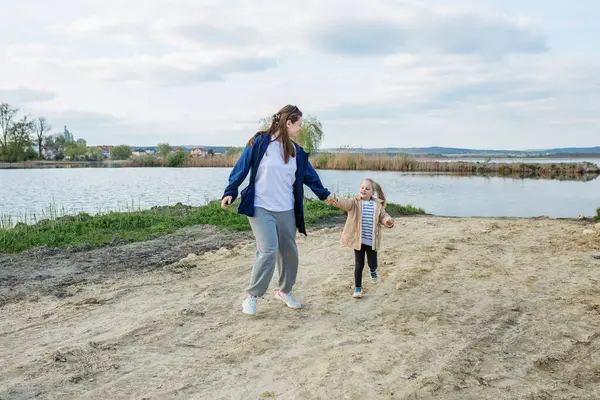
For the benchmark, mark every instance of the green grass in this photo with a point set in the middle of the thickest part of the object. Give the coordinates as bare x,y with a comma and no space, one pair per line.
393,208
597,217
139,225
98,230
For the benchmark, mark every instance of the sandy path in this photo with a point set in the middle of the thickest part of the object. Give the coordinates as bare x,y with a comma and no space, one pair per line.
467,309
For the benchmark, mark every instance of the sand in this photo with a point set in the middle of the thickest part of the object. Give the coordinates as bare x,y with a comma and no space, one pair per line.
467,308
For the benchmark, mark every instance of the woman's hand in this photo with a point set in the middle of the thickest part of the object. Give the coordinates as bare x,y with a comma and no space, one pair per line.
331,200
226,202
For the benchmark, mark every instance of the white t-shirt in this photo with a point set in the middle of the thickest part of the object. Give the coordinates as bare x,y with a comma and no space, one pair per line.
274,185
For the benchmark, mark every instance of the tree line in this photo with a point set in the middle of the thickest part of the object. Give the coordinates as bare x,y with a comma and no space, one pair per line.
25,138
21,139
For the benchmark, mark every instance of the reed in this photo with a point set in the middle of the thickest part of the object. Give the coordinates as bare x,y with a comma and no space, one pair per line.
198,162
392,162
219,162
408,163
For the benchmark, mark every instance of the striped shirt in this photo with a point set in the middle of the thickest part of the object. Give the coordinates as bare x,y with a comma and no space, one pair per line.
368,209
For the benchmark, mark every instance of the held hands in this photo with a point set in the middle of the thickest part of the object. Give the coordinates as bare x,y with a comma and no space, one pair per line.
226,202
332,200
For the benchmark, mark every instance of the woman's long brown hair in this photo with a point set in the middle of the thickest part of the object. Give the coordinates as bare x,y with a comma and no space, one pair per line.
279,124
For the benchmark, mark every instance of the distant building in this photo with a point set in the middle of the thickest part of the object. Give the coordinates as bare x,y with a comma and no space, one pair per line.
68,135
49,153
106,150
198,152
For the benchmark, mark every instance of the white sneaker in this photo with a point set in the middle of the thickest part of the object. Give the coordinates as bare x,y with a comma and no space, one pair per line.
288,298
249,305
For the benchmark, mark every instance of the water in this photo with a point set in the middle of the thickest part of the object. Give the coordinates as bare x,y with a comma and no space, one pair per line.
24,192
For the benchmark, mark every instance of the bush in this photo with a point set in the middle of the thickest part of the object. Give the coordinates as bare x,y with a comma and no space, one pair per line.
121,152
30,154
95,154
597,217
178,159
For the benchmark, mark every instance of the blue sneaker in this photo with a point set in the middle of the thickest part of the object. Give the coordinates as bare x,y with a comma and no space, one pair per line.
357,292
374,277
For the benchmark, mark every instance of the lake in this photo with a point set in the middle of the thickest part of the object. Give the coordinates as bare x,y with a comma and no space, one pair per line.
24,192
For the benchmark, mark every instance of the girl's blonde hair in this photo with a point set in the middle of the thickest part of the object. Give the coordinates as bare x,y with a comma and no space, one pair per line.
377,189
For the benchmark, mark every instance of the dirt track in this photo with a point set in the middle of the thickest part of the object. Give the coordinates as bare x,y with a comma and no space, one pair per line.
467,309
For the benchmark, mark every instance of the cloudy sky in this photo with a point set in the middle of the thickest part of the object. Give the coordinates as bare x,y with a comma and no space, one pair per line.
516,74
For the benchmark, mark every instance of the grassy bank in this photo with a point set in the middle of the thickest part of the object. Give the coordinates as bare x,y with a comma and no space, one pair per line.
99,230
597,217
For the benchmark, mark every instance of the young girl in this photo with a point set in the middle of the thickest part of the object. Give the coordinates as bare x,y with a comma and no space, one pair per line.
362,232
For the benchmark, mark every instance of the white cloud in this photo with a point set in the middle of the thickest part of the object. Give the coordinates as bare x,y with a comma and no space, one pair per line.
25,95
448,33
125,32
174,68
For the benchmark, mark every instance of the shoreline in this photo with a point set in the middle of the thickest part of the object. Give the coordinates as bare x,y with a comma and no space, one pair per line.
576,158
85,230
42,164
576,170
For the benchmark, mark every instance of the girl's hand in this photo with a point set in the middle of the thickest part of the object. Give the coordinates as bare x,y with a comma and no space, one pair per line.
226,202
331,200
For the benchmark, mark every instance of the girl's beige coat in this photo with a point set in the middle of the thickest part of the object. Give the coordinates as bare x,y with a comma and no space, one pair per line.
351,235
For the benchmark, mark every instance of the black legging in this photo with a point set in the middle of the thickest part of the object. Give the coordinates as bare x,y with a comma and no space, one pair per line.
359,260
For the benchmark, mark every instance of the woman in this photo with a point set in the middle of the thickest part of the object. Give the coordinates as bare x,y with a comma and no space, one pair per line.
273,202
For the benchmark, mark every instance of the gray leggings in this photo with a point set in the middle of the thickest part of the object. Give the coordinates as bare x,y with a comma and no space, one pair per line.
275,234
